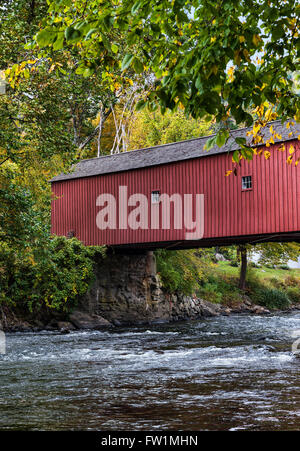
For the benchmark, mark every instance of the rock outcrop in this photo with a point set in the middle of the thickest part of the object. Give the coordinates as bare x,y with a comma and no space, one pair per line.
127,291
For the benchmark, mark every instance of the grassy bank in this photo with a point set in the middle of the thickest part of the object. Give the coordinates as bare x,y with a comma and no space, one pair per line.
273,288
195,274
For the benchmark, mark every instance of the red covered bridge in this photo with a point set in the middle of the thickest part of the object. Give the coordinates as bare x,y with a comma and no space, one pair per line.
177,196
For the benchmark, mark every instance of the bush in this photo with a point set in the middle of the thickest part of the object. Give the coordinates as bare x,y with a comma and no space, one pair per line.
272,298
180,271
54,275
219,288
211,292
285,267
293,294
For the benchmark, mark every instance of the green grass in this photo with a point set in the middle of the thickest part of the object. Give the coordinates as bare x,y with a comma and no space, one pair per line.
262,273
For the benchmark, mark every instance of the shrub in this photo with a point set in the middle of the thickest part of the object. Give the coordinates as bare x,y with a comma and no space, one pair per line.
285,267
219,288
180,271
272,298
54,275
294,294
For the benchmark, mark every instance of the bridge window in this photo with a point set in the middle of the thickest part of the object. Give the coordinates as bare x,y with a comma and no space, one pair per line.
155,197
247,182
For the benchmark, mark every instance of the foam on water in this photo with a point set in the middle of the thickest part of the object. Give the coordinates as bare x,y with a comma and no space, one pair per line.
232,373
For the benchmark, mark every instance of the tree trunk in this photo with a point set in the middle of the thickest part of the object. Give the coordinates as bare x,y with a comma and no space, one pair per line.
243,271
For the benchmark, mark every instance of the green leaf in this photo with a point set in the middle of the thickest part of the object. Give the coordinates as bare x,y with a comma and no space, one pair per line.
72,34
222,137
136,6
236,156
59,42
92,31
138,66
240,141
88,71
140,105
127,60
210,143
45,37
247,153
114,48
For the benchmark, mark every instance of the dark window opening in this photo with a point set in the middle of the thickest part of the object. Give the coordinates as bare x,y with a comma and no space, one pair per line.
247,182
155,197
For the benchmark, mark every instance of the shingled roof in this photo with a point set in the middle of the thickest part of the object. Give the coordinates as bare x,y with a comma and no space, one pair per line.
168,153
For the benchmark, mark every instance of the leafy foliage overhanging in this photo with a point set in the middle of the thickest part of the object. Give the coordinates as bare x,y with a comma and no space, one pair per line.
215,58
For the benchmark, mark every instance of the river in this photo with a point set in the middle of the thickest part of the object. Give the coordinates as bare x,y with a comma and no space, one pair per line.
223,373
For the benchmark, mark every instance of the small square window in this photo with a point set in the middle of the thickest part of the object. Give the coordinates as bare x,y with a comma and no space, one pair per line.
155,197
247,182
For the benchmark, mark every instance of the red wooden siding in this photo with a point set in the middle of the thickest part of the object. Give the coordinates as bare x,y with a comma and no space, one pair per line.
270,207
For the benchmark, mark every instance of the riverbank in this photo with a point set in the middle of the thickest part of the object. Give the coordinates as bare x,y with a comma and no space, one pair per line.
128,291
183,308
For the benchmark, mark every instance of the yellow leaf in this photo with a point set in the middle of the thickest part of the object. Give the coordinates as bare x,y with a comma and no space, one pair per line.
267,154
242,38
291,149
268,113
256,39
228,173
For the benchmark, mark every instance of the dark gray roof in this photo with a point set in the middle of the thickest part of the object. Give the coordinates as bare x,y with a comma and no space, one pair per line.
168,153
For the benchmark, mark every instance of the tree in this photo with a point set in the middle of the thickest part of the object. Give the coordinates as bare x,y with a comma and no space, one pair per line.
154,128
214,58
274,254
50,108
277,253
242,250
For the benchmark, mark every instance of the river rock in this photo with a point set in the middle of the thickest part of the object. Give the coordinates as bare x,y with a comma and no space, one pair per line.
259,310
209,309
83,320
65,326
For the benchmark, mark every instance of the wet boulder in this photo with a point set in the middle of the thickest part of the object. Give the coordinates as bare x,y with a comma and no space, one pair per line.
83,320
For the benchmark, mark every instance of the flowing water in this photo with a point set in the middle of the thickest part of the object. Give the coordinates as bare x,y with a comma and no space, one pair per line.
224,373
